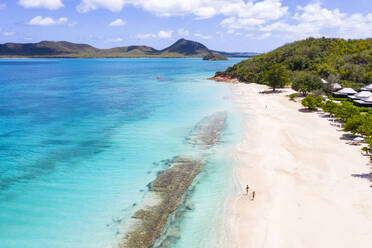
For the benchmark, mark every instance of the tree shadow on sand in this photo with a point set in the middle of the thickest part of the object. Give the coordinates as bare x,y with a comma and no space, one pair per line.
367,176
270,91
348,136
325,115
306,110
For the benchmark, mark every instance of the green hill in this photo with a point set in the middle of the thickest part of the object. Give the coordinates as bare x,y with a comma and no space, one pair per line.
45,48
348,62
145,50
214,57
181,48
187,48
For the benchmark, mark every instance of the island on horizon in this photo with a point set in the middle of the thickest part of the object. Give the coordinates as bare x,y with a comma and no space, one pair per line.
63,49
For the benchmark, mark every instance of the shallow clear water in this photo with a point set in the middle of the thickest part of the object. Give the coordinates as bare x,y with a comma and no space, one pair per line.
81,138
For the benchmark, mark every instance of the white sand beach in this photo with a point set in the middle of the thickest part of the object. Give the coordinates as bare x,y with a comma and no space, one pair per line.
302,172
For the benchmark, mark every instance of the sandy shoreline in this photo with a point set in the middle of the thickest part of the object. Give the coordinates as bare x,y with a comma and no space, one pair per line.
302,172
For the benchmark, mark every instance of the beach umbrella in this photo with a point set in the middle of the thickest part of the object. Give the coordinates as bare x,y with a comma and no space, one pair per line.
358,139
363,94
347,91
369,99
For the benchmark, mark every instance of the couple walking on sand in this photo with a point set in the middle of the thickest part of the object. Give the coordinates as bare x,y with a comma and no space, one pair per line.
253,192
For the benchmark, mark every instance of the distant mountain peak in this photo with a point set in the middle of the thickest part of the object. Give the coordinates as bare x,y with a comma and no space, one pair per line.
187,48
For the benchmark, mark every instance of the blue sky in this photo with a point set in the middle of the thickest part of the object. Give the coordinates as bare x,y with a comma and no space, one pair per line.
229,25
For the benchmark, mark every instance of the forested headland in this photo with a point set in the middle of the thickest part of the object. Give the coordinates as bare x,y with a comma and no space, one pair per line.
348,62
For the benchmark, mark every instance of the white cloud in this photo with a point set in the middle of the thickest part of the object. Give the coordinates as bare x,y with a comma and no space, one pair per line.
162,34
165,34
201,9
115,40
260,16
47,21
118,22
113,5
9,33
2,5
28,38
264,36
220,34
145,36
72,24
183,32
205,12
239,23
357,26
315,14
253,36
314,20
205,37
48,4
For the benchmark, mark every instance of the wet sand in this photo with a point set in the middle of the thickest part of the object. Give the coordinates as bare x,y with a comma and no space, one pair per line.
307,194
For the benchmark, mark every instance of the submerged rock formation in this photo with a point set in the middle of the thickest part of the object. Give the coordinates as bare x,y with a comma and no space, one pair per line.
152,224
169,187
207,132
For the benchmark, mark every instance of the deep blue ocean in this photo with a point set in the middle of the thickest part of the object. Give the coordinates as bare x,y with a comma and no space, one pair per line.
81,138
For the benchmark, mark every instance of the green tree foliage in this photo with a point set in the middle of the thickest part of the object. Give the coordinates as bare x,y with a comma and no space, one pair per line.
367,77
365,127
277,77
312,102
356,120
350,61
346,111
354,123
368,149
306,82
330,107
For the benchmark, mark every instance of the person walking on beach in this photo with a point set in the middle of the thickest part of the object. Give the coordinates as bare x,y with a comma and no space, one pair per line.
253,195
247,189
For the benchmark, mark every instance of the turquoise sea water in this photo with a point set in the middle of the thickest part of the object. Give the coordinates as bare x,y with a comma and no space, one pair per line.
81,138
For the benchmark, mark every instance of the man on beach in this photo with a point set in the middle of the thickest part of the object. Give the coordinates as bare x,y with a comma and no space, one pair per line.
247,189
253,195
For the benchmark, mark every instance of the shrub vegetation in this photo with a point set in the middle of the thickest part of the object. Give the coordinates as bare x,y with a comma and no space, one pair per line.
277,76
356,120
293,96
306,82
348,62
312,102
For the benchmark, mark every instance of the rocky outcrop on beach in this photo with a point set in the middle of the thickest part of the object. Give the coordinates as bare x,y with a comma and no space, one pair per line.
221,76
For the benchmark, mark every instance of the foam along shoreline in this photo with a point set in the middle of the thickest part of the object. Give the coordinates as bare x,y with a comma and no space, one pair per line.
149,226
304,175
